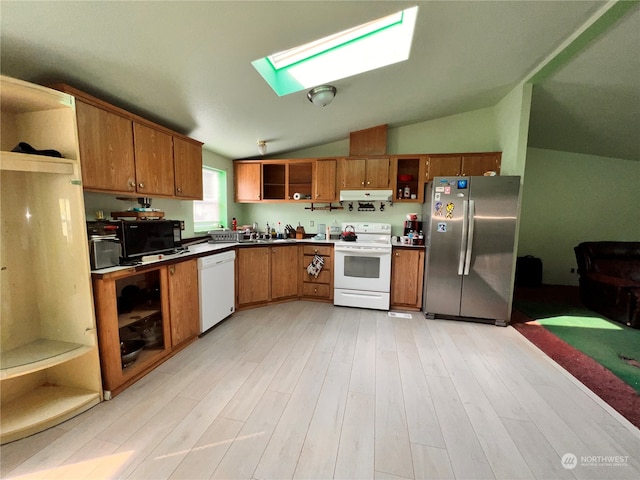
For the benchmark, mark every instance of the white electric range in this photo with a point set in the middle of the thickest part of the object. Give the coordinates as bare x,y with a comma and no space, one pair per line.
362,268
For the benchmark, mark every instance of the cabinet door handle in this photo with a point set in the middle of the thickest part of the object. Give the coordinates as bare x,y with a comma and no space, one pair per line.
179,190
132,184
258,196
368,183
361,183
172,270
397,254
141,185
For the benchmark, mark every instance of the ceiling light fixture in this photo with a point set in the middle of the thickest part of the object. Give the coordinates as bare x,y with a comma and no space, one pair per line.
262,147
322,96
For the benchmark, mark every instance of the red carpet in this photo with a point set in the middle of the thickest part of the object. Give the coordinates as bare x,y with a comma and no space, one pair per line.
594,376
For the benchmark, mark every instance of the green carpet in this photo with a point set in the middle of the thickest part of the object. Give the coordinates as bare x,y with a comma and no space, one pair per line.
605,341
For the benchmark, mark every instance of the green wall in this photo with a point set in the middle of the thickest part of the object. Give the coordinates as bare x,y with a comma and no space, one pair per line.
512,125
467,132
570,198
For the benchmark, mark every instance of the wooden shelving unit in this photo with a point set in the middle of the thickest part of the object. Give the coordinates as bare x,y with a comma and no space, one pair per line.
49,364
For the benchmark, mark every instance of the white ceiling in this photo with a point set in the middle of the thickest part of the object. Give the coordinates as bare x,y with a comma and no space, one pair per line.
187,65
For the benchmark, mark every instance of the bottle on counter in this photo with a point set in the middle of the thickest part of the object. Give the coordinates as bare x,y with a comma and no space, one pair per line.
234,224
420,238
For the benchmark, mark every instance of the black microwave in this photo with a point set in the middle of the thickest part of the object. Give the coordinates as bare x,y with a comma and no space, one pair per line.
139,237
149,237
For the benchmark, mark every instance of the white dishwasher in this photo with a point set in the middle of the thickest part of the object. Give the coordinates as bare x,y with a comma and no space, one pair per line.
216,277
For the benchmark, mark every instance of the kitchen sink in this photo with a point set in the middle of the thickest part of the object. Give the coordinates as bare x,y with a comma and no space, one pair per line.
262,240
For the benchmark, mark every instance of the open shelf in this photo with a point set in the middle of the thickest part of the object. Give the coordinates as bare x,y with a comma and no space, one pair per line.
43,407
38,355
138,314
25,162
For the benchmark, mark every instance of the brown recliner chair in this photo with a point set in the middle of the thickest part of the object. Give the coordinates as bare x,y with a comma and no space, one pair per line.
610,279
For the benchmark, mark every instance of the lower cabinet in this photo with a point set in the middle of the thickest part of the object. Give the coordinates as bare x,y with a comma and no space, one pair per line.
266,274
252,275
284,272
320,287
407,272
144,315
184,301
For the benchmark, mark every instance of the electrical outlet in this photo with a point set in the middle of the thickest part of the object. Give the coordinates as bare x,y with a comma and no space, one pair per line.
311,223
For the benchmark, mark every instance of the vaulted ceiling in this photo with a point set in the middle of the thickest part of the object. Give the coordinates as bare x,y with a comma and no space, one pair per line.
187,65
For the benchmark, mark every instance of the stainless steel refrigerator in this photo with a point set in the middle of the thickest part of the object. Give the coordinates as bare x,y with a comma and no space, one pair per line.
470,257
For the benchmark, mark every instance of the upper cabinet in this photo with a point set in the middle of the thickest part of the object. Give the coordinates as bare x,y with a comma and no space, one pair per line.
124,153
365,173
409,177
187,164
461,164
292,180
247,179
371,141
154,161
325,180
106,136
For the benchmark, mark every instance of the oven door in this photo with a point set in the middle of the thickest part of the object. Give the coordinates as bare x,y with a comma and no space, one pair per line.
362,268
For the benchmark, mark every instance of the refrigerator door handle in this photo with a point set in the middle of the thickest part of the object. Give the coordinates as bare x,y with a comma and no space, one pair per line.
471,225
463,241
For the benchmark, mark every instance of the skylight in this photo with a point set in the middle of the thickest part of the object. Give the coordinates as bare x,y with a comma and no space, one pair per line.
356,50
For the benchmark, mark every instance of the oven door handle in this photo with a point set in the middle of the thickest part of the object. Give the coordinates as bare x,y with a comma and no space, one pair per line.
363,251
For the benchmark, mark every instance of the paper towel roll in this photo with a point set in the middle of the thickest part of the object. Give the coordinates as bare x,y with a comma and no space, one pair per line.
297,196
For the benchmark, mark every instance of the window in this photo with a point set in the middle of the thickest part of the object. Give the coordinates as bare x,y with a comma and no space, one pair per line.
359,49
211,211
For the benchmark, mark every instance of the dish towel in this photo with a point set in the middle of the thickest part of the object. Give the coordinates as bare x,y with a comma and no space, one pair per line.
313,269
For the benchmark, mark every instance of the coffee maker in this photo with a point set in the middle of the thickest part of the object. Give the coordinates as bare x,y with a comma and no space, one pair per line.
410,225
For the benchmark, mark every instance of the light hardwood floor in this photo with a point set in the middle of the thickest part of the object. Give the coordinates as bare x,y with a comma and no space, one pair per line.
309,390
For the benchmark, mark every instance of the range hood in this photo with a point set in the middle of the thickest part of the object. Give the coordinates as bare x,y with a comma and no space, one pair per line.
366,195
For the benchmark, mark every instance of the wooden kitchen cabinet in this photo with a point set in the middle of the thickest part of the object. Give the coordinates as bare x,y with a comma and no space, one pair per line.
276,180
365,173
247,179
461,164
187,163
320,287
325,180
252,275
265,274
300,175
157,304
407,272
284,272
184,301
50,369
282,179
154,161
475,164
123,153
106,149
414,166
